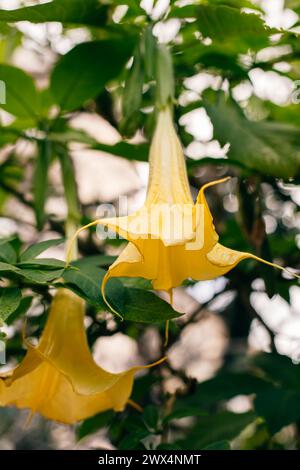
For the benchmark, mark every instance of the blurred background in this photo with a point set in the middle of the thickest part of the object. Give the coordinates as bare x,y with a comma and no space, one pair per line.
233,373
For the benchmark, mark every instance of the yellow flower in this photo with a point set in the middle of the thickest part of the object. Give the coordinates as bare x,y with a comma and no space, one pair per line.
170,238
59,378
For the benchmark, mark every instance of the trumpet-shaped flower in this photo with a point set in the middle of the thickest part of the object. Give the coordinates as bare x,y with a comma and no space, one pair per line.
59,378
171,238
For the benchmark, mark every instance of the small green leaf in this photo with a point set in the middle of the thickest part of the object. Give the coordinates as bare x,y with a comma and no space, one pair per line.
151,417
21,97
45,263
40,276
34,250
146,307
93,424
7,252
6,268
10,299
137,152
133,440
220,445
21,310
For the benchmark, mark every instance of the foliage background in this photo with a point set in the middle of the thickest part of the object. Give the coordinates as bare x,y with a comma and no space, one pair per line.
69,143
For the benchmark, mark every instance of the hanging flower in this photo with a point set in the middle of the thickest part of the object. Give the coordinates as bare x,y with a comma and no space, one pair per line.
171,238
59,378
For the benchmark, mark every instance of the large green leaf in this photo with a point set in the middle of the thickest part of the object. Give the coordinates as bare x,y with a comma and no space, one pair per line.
225,24
21,94
267,147
89,12
82,73
10,299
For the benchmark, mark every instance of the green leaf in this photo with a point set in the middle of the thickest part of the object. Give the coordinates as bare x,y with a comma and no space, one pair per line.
133,304
83,72
86,280
278,368
266,147
225,24
138,152
10,299
7,252
21,94
93,424
34,250
279,408
217,427
220,445
25,303
126,150
6,268
192,11
45,263
146,307
40,276
132,441
220,388
89,12
185,412
151,417
97,260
